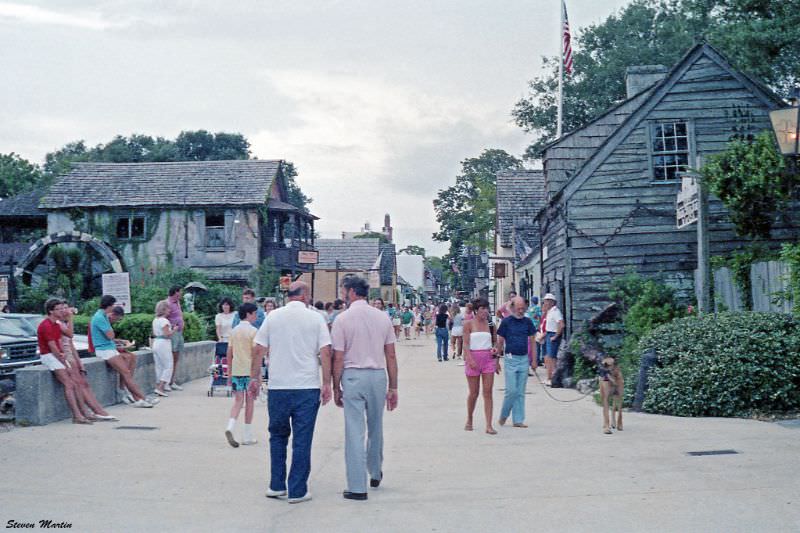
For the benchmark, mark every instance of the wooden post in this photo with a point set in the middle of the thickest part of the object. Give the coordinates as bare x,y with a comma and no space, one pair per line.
703,252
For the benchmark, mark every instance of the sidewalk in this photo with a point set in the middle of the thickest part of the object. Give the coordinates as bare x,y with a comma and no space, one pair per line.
561,474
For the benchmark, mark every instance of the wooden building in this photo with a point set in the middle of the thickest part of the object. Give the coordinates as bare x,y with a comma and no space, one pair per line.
612,185
223,218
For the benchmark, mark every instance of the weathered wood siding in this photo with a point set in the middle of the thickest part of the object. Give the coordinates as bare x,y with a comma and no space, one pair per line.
621,220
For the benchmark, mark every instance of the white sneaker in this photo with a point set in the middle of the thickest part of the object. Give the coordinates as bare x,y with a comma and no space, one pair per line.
153,401
158,392
106,418
304,498
142,403
275,493
167,388
247,442
175,386
124,396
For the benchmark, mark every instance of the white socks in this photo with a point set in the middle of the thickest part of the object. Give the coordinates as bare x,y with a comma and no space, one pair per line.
231,424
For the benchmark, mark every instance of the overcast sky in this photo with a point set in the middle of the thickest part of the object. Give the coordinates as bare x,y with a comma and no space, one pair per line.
376,102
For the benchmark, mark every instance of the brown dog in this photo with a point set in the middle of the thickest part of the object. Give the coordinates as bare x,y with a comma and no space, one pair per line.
611,389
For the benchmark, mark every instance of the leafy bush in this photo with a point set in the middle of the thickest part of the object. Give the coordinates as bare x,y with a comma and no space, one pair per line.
137,327
734,364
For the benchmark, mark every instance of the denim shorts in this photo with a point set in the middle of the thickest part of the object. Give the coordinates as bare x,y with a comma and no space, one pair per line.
551,346
240,383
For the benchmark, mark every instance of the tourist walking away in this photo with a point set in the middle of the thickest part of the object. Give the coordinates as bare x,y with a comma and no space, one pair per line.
364,381
103,339
408,322
162,348
88,404
481,363
457,331
240,363
296,342
554,329
49,336
442,334
175,318
514,337
394,316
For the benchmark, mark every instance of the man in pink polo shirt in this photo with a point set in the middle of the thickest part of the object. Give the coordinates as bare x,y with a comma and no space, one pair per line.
363,347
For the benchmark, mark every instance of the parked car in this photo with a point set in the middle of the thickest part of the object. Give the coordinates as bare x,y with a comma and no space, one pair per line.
18,344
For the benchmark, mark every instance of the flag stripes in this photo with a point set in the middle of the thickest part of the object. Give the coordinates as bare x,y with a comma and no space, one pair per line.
566,42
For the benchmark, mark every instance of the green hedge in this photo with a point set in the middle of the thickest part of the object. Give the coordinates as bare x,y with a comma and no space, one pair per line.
137,327
734,364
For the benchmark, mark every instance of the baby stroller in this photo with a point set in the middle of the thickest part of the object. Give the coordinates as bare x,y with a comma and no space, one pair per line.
219,371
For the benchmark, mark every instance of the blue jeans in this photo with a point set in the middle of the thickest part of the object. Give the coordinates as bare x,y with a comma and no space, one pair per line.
442,336
291,410
516,370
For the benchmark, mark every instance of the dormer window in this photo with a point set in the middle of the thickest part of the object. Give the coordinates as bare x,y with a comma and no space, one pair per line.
670,149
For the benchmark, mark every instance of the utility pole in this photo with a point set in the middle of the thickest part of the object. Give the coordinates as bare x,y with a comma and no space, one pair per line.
703,252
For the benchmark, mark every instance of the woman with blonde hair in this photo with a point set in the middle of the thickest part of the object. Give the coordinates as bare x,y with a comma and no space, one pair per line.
162,347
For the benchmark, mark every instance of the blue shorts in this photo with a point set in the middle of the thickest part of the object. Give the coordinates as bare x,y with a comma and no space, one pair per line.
551,346
240,383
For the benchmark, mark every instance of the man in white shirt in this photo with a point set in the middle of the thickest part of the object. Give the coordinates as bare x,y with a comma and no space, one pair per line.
554,329
291,338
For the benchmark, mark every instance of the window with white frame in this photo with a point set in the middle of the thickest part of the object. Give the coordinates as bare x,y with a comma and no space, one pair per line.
670,149
130,227
215,230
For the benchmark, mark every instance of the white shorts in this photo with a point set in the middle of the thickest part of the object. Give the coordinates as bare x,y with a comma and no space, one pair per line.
52,363
105,355
395,321
457,332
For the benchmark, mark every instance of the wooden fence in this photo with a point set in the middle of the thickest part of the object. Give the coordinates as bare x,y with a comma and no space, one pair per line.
769,281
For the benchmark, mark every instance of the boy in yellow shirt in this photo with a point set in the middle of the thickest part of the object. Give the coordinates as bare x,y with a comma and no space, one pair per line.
240,357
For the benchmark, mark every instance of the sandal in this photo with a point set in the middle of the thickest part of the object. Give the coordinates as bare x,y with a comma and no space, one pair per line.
81,421
491,431
467,427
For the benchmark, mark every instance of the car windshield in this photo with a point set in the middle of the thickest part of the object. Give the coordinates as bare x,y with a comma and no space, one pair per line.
15,328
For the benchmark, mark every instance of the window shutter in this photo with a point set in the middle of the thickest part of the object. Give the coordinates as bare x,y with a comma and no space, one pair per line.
229,233
200,225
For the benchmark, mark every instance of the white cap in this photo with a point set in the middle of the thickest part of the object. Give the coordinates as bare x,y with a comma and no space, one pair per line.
549,296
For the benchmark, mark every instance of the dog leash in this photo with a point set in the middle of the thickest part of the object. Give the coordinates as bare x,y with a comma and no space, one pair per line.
544,387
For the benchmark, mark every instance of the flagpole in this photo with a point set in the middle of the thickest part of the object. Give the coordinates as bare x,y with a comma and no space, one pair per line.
560,72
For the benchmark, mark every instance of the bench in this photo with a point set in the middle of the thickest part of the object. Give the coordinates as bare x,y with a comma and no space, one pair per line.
40,397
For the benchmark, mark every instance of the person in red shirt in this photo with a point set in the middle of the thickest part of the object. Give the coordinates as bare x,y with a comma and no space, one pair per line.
49,337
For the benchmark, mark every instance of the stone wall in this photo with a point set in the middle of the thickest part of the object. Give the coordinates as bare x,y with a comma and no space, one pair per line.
40,397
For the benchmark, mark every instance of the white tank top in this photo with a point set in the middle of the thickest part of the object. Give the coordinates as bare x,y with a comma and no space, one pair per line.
480,340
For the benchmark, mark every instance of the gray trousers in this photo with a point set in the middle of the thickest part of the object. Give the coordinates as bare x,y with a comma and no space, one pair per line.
364,397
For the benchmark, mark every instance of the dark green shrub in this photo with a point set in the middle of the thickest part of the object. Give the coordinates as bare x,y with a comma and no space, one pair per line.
194,328
137,327
81,323
734,364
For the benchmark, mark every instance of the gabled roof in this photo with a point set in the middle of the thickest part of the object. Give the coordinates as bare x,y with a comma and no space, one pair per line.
388,262
352,254
23,205
193,183
654,96
520,195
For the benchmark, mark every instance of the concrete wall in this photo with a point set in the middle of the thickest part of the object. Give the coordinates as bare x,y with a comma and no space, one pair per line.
40,397
169,244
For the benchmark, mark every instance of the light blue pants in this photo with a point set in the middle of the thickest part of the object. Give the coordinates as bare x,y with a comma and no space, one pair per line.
516,370
364,396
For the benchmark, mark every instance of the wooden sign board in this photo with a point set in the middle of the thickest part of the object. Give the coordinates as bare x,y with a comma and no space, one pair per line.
119,286
499,270
305,257
687,204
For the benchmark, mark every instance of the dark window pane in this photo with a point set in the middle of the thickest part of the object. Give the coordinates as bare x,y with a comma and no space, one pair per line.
215,220
680,129
671,173
137,227
658,144
682,144
122,228
658,172
682,160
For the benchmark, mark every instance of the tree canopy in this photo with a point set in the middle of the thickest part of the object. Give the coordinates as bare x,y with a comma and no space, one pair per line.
413,249
761,37
466,211
372,235
18,175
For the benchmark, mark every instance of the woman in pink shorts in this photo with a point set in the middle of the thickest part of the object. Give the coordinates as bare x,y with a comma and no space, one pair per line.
481,363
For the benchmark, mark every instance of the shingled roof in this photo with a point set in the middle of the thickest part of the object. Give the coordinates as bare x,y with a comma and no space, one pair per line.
520,196
24,205
352,254
195,183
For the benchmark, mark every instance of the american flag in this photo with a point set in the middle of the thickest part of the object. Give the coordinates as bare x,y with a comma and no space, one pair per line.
566,40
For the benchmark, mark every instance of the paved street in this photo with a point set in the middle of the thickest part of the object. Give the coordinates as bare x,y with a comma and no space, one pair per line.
561,474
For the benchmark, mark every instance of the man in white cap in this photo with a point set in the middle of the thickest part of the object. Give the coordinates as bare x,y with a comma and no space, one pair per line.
554,329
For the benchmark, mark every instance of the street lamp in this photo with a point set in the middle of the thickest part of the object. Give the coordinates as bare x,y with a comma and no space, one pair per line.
786,125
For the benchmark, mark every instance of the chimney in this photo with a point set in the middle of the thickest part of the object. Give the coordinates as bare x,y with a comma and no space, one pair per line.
642,77
387,227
